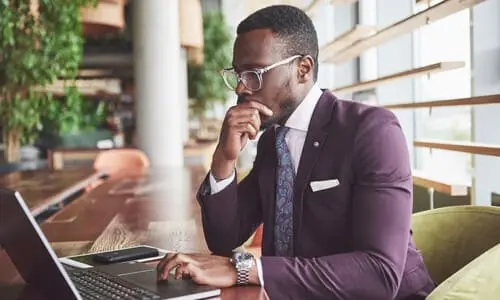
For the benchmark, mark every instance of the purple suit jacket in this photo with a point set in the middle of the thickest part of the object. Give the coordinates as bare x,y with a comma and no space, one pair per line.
350,242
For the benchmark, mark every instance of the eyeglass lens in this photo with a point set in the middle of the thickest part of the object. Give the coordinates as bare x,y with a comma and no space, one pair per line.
249,79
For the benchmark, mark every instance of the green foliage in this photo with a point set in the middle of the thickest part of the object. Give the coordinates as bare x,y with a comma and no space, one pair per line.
35,50
73,114
23,113
205,84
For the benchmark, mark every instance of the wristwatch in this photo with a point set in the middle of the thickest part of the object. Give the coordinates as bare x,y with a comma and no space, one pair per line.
243,261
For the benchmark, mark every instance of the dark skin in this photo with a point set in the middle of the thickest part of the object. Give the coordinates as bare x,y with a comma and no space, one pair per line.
283,87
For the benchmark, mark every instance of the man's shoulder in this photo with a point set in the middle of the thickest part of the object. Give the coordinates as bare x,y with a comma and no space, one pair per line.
349,109
361,110
352,114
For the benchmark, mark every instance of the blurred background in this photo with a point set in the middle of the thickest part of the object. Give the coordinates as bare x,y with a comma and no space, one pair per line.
100,75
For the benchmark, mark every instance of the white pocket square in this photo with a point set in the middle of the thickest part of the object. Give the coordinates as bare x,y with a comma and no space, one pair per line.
324,184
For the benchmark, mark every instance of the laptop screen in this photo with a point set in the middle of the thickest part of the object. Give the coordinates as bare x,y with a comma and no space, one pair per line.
29,250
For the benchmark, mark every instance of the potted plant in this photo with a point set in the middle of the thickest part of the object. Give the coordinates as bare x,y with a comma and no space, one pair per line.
40,41
205,85
21,120
72,121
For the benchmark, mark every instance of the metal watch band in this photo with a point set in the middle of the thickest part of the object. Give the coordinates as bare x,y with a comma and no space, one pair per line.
242,277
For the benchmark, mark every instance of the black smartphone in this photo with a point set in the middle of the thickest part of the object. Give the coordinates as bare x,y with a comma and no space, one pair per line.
122,255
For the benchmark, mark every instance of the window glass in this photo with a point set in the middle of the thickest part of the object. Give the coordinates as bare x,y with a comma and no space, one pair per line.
445,40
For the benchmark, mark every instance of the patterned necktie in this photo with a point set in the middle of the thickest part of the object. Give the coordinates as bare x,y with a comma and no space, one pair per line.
283,228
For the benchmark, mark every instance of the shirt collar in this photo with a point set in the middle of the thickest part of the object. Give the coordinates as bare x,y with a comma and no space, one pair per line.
301,117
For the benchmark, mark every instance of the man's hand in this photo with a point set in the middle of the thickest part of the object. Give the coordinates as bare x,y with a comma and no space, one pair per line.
204,269
241,123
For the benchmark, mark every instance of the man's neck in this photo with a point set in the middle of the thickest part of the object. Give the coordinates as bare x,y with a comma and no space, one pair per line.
301,116
296,102
303,94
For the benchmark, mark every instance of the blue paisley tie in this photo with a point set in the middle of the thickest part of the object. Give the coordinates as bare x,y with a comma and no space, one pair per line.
283,228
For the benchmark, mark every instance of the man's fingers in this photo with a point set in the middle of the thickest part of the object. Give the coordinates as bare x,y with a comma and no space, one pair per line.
258,106
181,271
163,262
252,132
175,261
190,271
246,129
250,113
254,119
184,271
247,119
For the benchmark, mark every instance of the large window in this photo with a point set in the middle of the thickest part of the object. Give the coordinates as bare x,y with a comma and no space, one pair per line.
445,40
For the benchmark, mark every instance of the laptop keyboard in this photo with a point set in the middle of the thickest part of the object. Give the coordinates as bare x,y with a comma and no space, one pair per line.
93,284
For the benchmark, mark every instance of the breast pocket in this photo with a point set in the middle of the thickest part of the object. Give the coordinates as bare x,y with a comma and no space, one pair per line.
328,194
320,185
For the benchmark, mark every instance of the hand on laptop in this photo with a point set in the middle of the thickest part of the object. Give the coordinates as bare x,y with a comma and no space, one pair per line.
204,269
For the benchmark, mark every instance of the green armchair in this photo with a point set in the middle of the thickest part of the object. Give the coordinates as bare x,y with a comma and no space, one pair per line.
450,238
478,280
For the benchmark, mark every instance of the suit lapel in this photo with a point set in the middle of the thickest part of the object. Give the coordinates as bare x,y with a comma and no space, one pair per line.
267,185
315,139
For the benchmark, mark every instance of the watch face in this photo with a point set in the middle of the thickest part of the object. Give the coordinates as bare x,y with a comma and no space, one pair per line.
239,256
243,260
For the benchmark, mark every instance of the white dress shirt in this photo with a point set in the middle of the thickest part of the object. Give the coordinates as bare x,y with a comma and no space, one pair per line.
298,122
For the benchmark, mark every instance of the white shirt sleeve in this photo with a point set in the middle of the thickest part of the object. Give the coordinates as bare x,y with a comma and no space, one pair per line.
259,271
216,187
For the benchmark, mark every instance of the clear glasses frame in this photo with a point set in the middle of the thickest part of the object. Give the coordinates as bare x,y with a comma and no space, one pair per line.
248,76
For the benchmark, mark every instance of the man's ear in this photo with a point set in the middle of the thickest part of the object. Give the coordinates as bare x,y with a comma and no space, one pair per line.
305,69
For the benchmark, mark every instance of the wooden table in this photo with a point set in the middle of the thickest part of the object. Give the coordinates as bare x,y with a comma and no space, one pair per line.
158,209
43,188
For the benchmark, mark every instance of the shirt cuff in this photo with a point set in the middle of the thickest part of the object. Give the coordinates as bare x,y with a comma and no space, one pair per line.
216,187
259,271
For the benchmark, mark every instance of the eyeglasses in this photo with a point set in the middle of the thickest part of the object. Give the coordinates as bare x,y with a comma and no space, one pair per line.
251,79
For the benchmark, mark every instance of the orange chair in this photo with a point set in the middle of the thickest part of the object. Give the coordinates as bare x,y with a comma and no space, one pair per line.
121,161
255,246
257,238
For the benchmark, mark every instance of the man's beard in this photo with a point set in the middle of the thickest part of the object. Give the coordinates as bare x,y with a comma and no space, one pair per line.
286,110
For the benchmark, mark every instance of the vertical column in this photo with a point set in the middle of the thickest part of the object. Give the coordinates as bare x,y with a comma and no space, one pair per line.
183,96
368,59
324,21
157,83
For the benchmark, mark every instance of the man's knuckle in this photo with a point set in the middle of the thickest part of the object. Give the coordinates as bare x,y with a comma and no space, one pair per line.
234,122
181,256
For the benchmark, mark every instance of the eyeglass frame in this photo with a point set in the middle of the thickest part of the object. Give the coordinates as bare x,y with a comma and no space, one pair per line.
258,71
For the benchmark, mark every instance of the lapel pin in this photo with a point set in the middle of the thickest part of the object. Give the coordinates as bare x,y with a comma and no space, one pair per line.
316,144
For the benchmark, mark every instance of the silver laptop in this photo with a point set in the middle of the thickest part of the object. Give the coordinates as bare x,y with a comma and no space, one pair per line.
40,268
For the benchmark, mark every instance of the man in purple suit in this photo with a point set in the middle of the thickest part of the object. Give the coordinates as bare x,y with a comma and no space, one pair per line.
331,181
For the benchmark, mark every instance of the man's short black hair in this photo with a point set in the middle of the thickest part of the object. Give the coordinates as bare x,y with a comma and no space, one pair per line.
290,24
